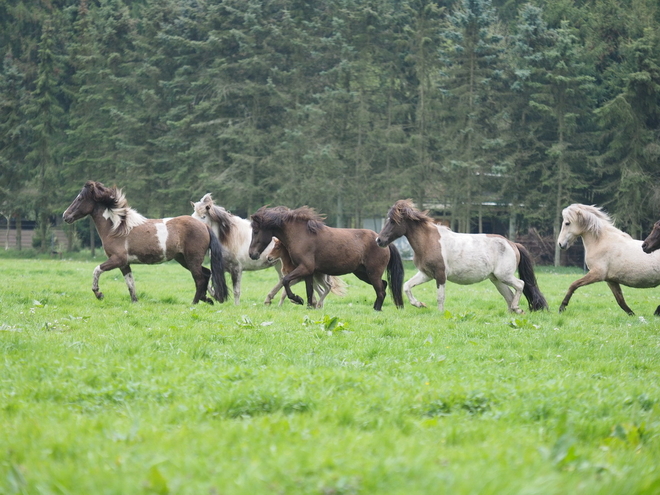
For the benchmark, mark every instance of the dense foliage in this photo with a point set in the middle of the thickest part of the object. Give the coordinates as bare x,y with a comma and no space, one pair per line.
502,112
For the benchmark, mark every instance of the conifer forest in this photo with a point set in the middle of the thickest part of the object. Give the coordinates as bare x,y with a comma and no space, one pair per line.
492,114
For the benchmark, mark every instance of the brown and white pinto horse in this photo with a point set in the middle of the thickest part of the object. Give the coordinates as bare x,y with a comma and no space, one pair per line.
442,255
128,237
315,247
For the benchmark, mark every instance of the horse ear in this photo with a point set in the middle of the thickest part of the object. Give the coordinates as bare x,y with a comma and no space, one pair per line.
207,198
193,204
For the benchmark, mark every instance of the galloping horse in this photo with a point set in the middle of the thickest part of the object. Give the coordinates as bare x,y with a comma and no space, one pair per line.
323,284
442,255
128,237
315,247
234,235
611,255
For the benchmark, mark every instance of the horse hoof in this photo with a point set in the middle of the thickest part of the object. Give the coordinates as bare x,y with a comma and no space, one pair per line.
266,303
298,300
99,295
562,308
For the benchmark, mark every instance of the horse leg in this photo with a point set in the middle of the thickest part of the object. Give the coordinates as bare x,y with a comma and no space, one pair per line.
109,264
130,282
417,279
236,274
200,277
323,286
512,299
441,295
589,278
618,295
309,286
297,273
376,282
273,292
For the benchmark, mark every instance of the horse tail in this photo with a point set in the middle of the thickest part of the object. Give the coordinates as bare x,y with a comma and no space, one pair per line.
395,276
535,298
220,291
337,286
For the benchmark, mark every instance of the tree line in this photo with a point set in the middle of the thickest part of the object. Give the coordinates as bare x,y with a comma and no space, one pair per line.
479,110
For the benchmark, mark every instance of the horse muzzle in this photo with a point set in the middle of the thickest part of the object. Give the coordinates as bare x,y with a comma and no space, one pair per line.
68,218
381,242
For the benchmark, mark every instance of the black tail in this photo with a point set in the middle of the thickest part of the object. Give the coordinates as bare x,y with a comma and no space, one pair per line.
531,290
395,276
217,268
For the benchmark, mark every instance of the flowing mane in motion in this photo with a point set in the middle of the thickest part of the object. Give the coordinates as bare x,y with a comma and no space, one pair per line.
611,255
316,248
442,255
128,237
234,234
323,284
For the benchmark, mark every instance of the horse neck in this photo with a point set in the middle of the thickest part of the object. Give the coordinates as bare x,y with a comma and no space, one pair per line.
103,225
418,234
590,241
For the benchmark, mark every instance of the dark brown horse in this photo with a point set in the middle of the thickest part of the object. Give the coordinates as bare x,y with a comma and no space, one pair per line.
315,247
323,284
128,237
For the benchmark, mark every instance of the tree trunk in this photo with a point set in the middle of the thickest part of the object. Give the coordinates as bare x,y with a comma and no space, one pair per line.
19,231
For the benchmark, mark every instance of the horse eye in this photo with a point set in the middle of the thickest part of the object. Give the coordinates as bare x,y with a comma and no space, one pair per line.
567,223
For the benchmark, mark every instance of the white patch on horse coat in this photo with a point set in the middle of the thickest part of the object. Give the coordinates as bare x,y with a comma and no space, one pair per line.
130,258
162,234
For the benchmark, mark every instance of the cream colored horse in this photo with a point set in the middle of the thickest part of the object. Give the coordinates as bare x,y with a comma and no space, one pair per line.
611,255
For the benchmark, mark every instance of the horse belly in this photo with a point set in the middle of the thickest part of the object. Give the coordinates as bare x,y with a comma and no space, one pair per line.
630,266
148,245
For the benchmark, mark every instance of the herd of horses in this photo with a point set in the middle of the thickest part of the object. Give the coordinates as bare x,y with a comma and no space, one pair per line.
301,247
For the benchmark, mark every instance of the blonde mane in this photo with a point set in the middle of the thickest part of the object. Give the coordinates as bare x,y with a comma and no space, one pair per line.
123,217
590,218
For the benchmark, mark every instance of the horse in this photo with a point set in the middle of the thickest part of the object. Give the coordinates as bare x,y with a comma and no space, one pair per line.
441,255
128,238
652,241
234,234
316,247
611,255
323,284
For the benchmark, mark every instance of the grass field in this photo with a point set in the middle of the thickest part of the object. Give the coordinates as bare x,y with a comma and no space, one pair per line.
162,397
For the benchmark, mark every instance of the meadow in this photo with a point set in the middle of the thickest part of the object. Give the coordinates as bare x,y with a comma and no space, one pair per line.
110,397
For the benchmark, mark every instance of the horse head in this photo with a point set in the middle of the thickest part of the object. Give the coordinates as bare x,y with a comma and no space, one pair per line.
277,251
91,194
652,242
264,221
397,222
578,219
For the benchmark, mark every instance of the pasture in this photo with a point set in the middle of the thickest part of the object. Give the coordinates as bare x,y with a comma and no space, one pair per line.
164,397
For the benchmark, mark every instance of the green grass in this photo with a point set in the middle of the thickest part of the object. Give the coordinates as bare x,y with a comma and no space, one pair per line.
163,397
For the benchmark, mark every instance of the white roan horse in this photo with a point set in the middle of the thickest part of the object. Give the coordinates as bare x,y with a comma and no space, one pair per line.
611,255
442,255
235,235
